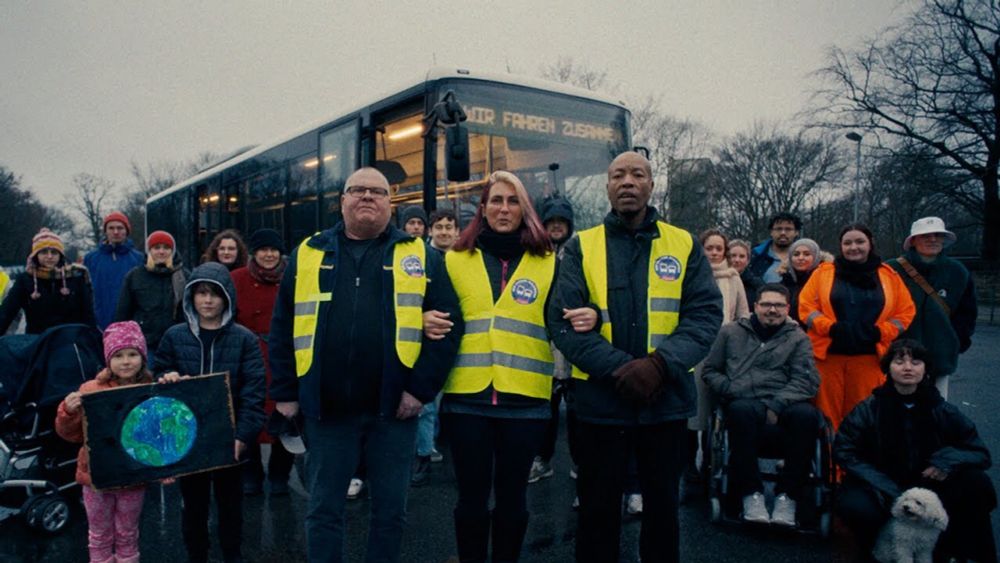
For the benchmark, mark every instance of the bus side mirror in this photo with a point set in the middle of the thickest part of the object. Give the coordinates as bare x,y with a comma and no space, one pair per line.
456,152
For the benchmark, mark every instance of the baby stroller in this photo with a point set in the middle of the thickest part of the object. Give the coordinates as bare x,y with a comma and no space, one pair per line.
37,467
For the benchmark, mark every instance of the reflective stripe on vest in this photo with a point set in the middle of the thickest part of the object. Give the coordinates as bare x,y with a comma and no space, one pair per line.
409,286
668,256
505,343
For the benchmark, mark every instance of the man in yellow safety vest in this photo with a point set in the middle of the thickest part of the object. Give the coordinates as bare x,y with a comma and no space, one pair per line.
659,311
347,351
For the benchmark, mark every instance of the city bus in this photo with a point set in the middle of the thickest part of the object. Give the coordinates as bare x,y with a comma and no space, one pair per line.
557,139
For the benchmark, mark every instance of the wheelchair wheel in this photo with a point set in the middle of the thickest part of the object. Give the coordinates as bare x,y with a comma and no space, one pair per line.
716,505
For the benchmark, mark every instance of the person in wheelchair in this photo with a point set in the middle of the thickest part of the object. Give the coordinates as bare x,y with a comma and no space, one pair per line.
761,371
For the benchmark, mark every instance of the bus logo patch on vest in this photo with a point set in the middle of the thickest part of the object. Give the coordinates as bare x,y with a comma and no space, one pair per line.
524,291
667,268
412,266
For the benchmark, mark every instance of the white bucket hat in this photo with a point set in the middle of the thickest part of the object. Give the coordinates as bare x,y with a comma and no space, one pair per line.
929,225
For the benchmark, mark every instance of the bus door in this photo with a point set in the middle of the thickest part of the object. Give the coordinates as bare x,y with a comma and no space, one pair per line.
302,211
209,215
399,152
232,216
338,159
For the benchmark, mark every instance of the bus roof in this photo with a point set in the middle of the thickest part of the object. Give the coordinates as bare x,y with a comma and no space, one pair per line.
436,73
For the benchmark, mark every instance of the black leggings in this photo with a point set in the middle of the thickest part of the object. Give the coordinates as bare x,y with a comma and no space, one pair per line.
491,455
967,496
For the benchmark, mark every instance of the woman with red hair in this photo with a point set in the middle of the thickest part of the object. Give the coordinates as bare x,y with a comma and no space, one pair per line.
496,398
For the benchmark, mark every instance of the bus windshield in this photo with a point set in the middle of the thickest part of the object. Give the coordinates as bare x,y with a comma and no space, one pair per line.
556,144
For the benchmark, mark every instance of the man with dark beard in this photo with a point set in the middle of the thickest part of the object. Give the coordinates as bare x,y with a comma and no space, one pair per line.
770,254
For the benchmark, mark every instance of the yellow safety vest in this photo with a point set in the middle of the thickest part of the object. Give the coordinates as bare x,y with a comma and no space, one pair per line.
668,258
505,343
409,278
4,280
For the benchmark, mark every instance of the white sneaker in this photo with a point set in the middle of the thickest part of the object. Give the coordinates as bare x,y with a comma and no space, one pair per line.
784,511
354,489
572,473
540,470
754,509
634,504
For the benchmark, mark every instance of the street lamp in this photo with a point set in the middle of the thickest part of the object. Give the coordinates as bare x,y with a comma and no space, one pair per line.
856,137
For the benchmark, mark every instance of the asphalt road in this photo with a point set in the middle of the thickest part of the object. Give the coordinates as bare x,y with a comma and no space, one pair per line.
273,529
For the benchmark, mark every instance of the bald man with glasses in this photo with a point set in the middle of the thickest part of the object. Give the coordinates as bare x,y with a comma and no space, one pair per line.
347,352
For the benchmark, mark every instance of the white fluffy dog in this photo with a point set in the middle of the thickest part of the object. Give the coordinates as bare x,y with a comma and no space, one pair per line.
918,518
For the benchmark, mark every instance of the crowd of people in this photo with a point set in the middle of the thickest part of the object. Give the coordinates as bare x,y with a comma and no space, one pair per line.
381,343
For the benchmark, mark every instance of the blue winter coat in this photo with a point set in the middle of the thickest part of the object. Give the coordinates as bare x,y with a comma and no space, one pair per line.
108,266
234,349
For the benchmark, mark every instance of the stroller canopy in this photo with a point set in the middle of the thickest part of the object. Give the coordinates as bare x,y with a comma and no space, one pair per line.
45,368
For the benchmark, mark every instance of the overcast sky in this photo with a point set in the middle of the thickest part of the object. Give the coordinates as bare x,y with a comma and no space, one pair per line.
90,86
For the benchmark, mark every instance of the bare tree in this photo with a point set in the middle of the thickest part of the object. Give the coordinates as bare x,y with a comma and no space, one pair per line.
22,216
667,137
90,201
567,71
933,80
152,178
764,171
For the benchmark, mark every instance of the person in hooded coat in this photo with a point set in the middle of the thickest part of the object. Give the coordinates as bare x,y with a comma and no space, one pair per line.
210,341
557,218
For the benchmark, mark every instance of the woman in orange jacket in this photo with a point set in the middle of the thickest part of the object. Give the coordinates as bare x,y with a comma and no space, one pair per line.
852,310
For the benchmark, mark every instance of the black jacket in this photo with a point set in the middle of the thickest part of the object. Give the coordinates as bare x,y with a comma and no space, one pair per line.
152,299
628,278
866,454
426,377
234,349
52,308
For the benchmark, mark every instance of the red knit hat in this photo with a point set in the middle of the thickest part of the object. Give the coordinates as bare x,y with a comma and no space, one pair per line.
117,216
160,237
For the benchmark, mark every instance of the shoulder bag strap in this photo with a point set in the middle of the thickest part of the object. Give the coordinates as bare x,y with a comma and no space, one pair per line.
922,282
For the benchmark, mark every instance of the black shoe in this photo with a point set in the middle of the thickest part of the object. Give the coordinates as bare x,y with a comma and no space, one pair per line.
421,470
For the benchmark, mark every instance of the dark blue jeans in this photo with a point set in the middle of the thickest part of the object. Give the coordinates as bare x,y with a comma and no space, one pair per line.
334,449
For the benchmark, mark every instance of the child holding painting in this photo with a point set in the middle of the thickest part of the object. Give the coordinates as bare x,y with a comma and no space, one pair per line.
112,516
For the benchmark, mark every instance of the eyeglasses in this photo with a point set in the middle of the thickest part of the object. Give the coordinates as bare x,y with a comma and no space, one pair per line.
360,191
767,306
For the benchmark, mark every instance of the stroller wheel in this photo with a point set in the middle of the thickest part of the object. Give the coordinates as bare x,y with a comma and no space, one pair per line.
49,513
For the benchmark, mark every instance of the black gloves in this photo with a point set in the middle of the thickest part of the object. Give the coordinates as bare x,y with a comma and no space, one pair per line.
641,379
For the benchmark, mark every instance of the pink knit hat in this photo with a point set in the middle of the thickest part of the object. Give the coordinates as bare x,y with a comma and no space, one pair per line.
119,336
